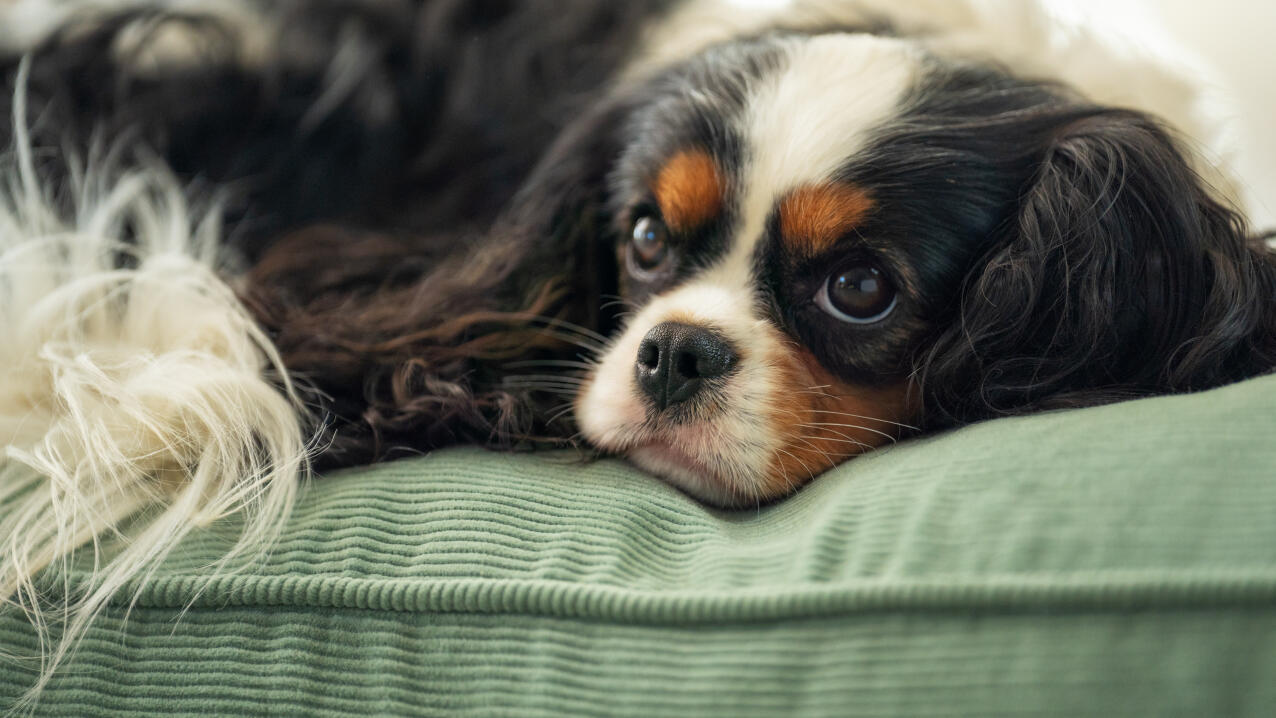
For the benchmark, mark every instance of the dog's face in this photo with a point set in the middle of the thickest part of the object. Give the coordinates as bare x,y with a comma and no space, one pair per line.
820,237
774,305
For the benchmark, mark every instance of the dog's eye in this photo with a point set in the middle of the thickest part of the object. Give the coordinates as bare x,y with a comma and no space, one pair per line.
649,247
859,294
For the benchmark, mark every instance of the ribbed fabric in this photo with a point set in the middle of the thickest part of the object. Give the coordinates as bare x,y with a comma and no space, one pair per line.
1111,561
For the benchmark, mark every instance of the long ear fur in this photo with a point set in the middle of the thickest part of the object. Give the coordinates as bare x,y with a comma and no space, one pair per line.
134,389
1120,276
425,359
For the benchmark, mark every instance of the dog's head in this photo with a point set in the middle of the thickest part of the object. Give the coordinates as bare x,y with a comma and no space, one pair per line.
825,241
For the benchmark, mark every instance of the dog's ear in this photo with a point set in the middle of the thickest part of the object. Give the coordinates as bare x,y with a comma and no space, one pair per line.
423,362
558,225
1117,276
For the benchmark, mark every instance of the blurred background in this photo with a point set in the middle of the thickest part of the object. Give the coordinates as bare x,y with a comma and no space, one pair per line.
1233,39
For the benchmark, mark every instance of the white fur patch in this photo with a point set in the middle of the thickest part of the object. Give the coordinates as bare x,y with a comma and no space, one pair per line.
127,389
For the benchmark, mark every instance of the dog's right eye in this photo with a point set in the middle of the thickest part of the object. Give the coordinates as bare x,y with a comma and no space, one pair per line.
859,293
649,252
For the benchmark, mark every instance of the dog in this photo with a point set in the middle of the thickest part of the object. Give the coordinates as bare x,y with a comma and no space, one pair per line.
737,246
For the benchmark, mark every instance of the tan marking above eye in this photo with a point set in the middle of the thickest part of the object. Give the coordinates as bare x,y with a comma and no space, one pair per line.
814,218
689,190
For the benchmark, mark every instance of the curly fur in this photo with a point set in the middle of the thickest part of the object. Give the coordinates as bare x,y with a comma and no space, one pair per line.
1118,276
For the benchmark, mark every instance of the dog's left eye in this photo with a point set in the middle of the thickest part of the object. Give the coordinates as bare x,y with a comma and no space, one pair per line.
649,252
858,294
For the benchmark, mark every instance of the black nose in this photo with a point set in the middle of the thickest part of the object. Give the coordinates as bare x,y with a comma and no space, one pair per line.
674,360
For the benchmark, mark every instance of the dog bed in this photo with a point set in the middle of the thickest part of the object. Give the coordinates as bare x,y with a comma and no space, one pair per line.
1119,560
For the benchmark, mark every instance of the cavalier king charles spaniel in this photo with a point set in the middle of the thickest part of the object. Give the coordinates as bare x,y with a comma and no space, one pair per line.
735,243
788,240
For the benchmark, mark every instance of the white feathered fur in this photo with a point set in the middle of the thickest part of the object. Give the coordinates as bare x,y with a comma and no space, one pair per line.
131,381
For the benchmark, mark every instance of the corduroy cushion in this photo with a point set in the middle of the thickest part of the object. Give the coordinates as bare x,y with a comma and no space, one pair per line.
1110,561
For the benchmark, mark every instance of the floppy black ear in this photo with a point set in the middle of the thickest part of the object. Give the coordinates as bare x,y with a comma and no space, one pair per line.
1118,276
559,225
424,362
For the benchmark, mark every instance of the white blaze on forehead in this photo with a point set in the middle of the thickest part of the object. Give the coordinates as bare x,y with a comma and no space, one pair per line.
804,122
808,120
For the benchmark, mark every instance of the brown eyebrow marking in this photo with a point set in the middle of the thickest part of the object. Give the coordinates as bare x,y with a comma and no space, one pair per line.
814,217
689,190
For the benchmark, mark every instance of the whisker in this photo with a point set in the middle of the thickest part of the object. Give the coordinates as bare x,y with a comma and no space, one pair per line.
790,412
615,303
789,486
827,456
872,418
561,412
844,440
574,340
532,386
572,326
544,377
562,391
532,383
817,391
815,425
582,342
861,416
565,363
803,463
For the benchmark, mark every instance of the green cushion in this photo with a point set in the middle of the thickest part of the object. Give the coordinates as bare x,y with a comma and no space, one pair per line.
1111,561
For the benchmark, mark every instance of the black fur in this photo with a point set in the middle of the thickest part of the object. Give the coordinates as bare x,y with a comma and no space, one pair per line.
1118,276
449,104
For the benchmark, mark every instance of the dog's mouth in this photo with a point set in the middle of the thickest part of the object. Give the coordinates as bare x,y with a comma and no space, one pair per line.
686,471
701,458
740,458
671,456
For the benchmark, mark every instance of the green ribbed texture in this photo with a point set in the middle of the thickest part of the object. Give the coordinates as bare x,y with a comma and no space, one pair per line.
1111,561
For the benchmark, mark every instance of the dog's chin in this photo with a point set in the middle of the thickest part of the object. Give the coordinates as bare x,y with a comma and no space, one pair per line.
686,472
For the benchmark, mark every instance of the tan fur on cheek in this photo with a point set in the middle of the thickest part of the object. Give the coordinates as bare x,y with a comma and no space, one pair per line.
689,190
820,421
